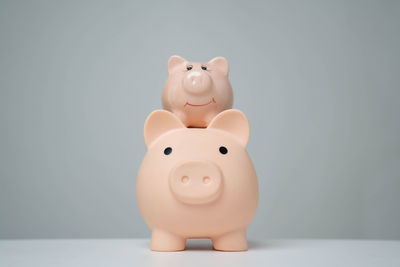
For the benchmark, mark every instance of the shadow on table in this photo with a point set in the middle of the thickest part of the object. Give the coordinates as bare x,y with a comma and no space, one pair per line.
199,244
206,245
264,245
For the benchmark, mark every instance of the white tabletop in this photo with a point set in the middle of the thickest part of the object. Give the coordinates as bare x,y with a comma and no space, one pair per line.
136,252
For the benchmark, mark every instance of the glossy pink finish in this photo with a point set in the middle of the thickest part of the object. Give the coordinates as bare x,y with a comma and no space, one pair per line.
196,92
197,183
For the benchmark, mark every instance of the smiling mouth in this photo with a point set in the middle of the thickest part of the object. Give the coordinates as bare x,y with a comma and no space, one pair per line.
200,105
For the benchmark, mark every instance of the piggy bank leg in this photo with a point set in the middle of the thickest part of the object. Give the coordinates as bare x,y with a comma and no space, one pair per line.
232,241
164,241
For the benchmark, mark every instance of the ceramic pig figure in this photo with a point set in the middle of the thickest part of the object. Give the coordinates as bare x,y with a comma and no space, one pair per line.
196,92
197,183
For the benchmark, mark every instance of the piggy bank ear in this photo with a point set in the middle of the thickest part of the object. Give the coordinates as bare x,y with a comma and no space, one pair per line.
175,61
158,123
220,63
233,121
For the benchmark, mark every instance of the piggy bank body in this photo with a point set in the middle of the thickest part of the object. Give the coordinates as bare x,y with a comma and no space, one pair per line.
196,92
197,183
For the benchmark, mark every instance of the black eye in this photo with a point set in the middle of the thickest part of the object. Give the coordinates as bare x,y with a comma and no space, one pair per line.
167,151
203,67
189,67
223,150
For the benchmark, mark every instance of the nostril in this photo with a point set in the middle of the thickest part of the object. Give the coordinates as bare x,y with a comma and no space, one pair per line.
185,179
206,179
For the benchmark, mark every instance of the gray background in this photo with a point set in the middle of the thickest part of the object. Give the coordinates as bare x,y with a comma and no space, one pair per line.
319,81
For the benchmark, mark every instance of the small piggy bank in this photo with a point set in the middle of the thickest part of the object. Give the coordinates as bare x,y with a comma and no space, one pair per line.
197,183
197,92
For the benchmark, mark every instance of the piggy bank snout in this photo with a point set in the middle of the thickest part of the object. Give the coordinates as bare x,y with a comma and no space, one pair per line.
197,83
196,182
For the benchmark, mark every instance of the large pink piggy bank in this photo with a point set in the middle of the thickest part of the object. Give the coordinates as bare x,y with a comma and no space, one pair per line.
196,92
197,183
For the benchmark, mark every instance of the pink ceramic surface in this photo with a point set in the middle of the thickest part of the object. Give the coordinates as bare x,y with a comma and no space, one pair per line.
197,183
196,92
